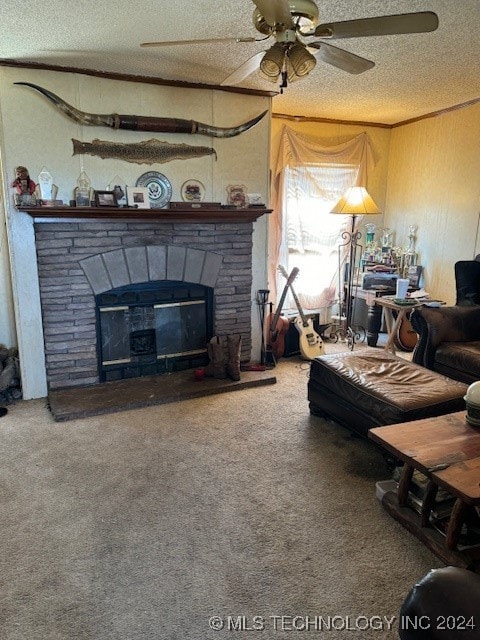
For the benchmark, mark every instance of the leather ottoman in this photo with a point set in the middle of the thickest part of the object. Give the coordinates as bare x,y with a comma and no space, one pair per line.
365,388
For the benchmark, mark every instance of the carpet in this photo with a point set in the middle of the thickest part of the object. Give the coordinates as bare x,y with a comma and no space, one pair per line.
202,518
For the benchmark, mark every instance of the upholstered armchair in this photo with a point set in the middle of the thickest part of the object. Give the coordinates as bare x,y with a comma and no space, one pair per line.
449,337
467,282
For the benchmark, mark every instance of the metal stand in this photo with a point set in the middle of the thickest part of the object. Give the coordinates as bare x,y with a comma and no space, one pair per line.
262,301
347,331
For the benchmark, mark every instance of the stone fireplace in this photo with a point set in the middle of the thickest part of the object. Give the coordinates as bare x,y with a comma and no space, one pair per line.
194,270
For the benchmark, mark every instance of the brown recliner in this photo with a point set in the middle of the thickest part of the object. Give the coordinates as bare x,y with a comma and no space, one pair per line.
449,337
449,341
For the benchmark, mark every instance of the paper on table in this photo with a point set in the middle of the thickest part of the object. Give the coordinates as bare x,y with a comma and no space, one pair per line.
421,293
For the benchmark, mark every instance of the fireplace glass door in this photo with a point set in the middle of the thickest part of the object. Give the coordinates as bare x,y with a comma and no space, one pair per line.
157,332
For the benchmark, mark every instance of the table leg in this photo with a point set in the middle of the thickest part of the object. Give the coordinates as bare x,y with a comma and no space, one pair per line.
392,327
390,322
404,485
457,518
428,502
374,324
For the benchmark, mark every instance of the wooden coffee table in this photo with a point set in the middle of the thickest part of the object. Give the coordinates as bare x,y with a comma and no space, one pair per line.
446,449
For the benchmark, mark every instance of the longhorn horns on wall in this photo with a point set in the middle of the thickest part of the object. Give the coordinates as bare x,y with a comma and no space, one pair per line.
143,123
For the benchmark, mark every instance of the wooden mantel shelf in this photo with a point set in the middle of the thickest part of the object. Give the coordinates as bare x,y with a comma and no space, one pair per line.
201,215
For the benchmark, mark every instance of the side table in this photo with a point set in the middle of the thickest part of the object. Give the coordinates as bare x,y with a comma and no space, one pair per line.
446,449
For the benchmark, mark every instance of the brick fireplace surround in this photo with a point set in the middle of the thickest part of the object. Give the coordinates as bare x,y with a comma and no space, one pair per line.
79,257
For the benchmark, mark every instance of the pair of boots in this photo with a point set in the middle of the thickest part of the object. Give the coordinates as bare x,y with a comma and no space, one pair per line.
224,362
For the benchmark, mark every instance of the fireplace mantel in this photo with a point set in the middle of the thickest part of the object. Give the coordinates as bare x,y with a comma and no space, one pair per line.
188,214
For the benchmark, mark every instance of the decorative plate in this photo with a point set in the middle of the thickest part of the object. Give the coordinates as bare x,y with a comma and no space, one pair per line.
193,191
159,188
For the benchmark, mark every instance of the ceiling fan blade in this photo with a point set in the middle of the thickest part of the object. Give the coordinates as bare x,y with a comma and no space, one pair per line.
248,67
420,22
275,12
340,58
172,43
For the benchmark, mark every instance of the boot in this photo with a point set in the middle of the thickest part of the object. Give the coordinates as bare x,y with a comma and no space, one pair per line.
234,344
216,367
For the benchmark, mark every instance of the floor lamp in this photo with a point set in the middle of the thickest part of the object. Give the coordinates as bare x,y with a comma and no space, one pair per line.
355,202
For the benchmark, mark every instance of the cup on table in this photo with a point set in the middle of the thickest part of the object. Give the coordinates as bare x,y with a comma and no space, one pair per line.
402,288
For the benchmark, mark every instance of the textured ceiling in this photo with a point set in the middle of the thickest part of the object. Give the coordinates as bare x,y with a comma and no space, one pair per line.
413,75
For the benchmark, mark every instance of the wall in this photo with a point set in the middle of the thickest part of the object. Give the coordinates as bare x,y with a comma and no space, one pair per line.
35,134
433,182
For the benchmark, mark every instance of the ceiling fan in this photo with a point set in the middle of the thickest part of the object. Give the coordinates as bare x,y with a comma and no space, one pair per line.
292,23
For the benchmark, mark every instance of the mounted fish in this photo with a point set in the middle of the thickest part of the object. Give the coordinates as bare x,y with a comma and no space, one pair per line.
143,123
146,152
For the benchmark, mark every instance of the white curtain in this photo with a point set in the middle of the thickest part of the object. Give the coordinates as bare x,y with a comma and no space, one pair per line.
310,234
311,177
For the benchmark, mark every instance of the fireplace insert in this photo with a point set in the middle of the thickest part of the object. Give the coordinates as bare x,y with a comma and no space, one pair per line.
153,328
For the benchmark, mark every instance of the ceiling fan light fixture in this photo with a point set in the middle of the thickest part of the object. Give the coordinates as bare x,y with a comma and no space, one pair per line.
303,12
272,62
301,60
290,71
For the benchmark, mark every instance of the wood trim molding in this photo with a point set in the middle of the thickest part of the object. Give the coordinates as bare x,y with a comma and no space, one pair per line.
358,123
440,112
133,78
401,123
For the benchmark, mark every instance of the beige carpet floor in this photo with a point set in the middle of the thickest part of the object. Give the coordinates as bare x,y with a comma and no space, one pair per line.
237,510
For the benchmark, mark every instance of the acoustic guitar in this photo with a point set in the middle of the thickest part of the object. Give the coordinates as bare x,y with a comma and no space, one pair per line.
406,337
278,326
310,343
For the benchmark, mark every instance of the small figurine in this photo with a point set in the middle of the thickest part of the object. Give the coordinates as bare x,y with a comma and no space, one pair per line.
119,193
25,187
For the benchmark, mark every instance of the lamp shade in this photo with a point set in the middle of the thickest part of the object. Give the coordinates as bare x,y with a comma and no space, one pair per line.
301,61
356,201
272,62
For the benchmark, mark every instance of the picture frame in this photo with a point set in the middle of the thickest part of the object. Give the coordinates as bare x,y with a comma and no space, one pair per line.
138,197
237,196
414,274
105,199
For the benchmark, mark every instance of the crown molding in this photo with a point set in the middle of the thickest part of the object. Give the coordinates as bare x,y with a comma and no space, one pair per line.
125,77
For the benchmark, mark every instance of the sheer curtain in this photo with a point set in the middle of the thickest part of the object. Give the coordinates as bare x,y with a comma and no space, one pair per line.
310,234
309,178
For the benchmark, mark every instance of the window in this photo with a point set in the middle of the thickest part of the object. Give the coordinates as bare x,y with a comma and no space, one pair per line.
311,235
